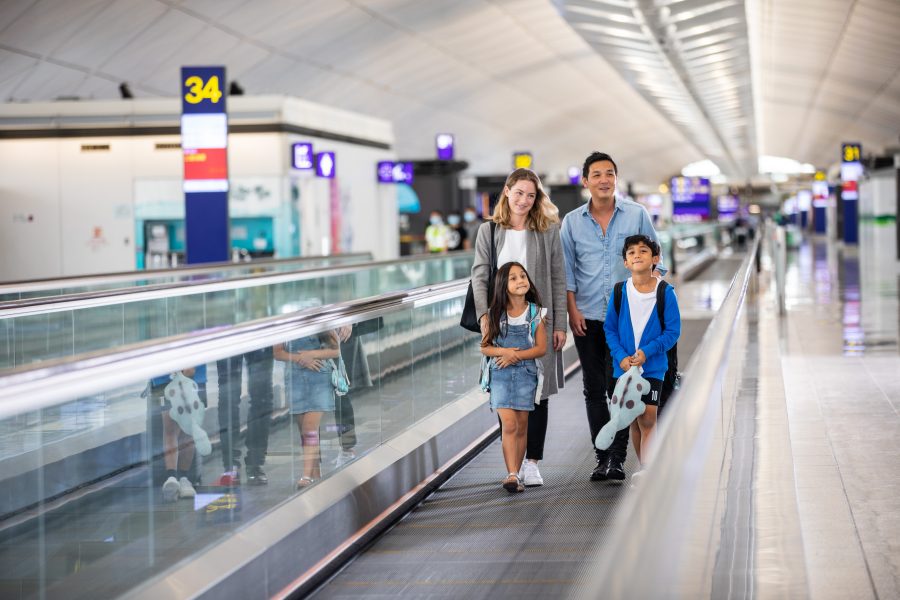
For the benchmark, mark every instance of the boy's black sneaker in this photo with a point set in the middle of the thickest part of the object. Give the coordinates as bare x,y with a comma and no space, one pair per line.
615,471
256,476
599,472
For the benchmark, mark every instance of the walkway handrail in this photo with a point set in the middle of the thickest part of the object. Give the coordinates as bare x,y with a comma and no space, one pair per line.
651,523
27,389
50,283
32,306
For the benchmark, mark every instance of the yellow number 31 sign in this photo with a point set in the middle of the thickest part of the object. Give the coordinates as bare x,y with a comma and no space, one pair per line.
198,90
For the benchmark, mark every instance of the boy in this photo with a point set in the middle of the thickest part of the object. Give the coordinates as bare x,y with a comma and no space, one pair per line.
635,335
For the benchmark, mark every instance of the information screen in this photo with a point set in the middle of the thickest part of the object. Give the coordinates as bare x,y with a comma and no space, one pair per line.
690,199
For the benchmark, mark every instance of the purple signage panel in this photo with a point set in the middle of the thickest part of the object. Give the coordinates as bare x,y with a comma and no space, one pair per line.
325,165
445,145
386,171
302,156
690,198
403,172
574,175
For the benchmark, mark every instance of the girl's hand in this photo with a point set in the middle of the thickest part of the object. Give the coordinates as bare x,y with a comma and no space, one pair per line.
638,359
307,363
626,363
507,358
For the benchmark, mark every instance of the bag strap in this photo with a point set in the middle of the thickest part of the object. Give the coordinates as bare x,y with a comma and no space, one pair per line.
617,296
533,320
661,303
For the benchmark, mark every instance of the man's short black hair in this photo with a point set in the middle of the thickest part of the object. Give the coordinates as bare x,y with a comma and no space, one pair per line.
634,240
597,157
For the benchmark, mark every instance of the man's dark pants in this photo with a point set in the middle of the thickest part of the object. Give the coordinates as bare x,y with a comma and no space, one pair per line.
597,374
260,364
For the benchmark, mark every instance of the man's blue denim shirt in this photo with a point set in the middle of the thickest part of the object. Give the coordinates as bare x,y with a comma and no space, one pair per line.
594,261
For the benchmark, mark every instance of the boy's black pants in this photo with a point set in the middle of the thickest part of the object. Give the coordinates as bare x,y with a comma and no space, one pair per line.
597,374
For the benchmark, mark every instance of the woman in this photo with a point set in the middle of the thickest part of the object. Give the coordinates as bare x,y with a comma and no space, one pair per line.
527,232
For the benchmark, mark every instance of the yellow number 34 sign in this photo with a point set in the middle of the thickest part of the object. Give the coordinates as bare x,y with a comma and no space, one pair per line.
199,90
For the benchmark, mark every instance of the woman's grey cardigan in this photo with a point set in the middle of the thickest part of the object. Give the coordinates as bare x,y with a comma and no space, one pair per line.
544,260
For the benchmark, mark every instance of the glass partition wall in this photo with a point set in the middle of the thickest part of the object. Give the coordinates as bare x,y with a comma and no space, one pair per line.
133,461
33,333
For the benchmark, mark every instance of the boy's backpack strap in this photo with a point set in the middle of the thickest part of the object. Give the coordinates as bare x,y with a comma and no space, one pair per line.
661,303
617,296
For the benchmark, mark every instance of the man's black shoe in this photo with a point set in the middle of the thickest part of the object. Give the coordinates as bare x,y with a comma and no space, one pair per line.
614,469
599,472
256,476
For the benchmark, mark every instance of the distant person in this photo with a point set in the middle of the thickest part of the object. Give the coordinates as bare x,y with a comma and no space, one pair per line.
514,338
471,223
457,233
592,239
637,338
526,231
437,234
310,362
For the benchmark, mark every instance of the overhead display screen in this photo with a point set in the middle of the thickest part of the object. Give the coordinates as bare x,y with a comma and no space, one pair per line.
690,199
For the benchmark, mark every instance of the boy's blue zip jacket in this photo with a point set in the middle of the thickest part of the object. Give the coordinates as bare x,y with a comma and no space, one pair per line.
654,341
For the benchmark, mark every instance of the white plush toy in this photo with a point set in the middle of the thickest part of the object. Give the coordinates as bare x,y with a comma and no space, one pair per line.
624,407
188,411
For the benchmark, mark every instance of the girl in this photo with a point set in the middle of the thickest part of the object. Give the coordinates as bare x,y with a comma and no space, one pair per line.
311,393
515,337
527,231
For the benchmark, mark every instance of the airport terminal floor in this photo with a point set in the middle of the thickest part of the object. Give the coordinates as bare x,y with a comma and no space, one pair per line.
775,470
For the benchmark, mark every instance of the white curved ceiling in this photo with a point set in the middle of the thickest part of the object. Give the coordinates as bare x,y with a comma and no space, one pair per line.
787,77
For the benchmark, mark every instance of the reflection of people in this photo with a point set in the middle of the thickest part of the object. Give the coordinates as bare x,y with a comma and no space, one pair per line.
636,338
515,337
259,416
357,366
471,223
311,393
527,233
457,238
178,445
592,239
437,235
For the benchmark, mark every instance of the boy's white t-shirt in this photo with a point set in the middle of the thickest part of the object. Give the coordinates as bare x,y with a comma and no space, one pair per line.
641,305
514,248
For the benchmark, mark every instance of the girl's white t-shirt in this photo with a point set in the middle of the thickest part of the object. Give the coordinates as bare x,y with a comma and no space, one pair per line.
641,305
514,248
523,318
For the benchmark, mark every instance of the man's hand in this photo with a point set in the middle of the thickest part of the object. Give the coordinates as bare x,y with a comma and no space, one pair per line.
576,322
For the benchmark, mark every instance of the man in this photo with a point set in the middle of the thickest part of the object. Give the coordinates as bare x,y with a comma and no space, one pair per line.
592,240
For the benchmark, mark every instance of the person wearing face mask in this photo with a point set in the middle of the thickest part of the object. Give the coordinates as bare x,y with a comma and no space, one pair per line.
458,239
437,234
471,223
526,230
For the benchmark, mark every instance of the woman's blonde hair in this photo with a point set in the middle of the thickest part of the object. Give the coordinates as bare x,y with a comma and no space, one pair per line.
542,214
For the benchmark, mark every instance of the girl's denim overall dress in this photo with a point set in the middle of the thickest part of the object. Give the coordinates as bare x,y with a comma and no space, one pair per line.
516,385
309,391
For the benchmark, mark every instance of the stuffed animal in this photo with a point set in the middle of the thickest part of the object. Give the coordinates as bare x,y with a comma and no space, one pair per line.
624,407
188,411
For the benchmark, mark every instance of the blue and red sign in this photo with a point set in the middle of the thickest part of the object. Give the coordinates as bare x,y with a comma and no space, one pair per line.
204,143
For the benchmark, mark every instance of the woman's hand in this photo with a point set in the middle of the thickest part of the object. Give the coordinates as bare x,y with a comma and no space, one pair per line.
344,332
507,357
559,340
302,359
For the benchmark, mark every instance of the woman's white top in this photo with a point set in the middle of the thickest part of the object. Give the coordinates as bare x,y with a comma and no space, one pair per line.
514,249
523,318
641,305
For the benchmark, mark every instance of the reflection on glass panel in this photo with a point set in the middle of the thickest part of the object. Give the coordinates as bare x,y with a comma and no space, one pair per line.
111,489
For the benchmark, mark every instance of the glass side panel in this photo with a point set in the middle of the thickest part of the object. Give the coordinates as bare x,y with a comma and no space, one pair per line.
30,339
89,509
139,279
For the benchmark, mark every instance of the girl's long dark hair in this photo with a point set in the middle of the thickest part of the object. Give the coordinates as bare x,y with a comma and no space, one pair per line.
501,299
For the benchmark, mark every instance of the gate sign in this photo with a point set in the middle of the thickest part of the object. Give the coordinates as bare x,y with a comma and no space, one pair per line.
395,172
325,165
444,143
302,156
204,143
